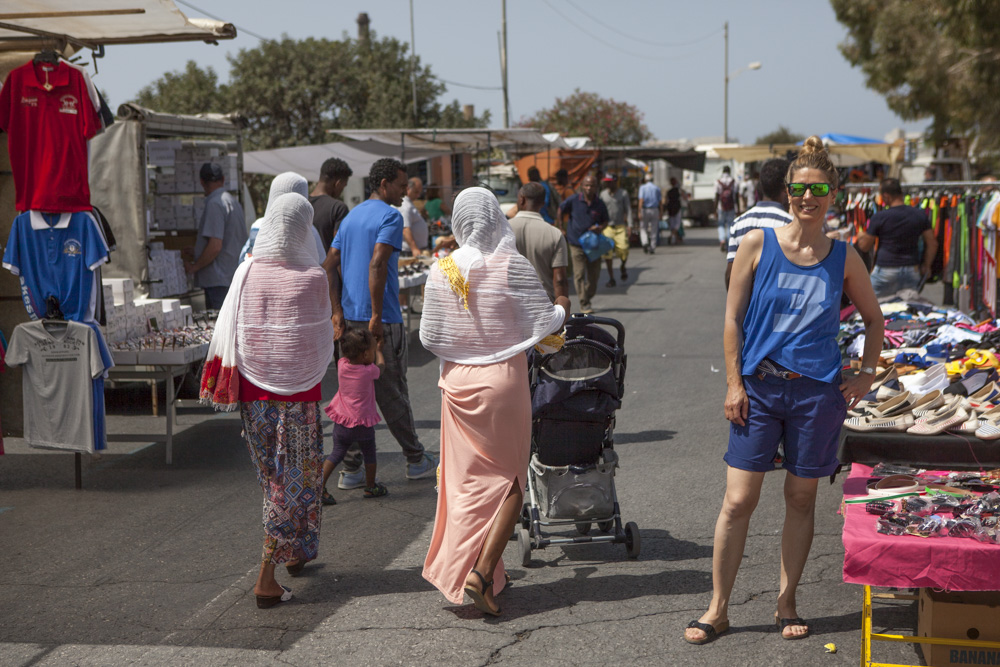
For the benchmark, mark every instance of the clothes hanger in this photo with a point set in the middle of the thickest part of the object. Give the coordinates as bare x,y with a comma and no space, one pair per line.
46,56
54,319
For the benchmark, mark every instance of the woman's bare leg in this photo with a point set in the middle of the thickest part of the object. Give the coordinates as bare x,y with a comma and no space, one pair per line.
796,540
496,539
742,494
266,583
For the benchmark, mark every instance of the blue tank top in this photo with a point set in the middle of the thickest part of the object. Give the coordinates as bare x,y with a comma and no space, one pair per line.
794,313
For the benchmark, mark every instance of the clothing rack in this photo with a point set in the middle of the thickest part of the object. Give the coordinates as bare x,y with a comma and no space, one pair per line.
930,185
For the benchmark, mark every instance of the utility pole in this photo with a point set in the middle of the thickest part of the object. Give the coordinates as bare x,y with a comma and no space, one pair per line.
503,62
413,65
725,96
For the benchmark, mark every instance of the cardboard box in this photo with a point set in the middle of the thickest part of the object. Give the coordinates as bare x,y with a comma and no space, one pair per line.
122,290
959,615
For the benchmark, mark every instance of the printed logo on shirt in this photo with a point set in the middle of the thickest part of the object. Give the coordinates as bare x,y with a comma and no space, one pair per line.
68,104
72,248
29,101
803,297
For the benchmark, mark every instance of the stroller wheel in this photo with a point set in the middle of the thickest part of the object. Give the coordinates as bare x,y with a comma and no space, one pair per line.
606,526
632,539
525,517
583,528
524,546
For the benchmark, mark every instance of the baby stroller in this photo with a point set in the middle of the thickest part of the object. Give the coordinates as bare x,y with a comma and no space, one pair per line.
571,478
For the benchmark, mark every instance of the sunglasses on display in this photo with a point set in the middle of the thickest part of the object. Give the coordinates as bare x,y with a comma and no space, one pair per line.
799,189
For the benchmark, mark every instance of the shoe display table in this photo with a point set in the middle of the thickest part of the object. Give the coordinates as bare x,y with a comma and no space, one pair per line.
947,450
874,559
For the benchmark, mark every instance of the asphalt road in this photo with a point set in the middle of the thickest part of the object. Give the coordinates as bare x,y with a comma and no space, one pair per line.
153,564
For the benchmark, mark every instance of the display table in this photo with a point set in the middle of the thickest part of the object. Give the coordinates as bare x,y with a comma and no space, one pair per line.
947,450
874,559
407,284
166,372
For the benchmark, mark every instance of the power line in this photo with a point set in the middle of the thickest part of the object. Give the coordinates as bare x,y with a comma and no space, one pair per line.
219,18
466,85
592,35
639,39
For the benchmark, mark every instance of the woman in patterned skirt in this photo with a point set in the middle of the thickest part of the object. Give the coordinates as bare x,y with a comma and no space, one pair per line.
272,344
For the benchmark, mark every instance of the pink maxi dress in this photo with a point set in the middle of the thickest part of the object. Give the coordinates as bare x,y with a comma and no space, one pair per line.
485,446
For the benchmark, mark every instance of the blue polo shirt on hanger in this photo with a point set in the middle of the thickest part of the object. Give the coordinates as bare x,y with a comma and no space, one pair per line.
55,254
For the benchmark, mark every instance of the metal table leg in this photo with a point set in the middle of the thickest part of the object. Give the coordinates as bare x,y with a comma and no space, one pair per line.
171,413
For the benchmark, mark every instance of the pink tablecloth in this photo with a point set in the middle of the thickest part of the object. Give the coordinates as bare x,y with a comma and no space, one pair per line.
906,561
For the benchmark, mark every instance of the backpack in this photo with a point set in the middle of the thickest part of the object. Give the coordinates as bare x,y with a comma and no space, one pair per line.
727,196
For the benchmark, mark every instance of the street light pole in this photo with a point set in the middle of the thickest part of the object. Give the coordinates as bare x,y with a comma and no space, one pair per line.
725,96
413,65
503,64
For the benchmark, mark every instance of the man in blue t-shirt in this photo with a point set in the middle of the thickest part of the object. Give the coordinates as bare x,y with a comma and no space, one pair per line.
899,230
364,291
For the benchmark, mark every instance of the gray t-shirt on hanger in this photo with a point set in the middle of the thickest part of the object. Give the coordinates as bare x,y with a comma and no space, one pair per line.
60,364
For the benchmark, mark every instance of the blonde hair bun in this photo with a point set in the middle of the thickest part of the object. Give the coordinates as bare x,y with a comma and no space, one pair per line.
813,145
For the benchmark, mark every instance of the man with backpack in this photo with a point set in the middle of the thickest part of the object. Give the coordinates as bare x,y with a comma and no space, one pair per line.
725,205
550,211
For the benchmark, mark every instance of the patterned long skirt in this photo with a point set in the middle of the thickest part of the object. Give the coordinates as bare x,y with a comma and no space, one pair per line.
286,445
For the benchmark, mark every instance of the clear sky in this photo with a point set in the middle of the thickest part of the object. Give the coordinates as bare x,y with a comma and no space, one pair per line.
664,57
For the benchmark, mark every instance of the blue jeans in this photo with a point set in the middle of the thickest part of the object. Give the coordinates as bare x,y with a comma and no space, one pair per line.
887,280
725,219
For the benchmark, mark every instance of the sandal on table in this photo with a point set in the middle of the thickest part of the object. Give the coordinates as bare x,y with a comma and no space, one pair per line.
479,595
783,623
711,632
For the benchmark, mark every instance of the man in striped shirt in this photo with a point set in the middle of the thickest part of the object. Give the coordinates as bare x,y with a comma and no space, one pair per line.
771,211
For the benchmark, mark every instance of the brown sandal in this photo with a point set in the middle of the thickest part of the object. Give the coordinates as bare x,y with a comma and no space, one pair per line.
479,595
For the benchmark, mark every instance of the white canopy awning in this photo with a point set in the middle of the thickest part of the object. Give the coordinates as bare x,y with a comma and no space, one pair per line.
32,24
306,160
454,139
842,155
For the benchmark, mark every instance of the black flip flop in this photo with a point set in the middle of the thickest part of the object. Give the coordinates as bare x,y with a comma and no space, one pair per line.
268,601
783,623
479,596
711,633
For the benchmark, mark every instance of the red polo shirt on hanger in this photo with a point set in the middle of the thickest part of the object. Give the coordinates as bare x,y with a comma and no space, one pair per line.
48,115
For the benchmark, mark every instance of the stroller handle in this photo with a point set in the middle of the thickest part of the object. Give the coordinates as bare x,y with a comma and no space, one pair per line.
581,319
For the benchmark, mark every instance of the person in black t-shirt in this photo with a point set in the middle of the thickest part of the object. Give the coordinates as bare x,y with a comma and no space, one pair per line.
328,209
899,229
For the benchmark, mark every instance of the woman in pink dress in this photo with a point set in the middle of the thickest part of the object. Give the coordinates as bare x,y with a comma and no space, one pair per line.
484,307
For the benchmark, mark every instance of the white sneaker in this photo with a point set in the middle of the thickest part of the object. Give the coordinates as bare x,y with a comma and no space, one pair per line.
351,480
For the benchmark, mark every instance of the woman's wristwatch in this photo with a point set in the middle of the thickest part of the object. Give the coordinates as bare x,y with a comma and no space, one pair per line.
868,369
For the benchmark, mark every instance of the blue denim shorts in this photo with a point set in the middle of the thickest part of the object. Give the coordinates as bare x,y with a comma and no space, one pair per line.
807,414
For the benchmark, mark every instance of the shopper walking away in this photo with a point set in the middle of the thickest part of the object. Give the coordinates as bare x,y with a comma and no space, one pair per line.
581,213
278,310
673,208
362,269
353,408
651,212
329,210
280,185
725,205
484,307
620,218
750,192
541,243
783,371
222,232
899,229
770,212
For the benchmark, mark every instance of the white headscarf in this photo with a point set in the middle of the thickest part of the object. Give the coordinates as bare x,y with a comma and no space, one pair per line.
283,184
274,327
489,304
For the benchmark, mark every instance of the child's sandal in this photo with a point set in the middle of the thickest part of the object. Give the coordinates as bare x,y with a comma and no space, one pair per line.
376,491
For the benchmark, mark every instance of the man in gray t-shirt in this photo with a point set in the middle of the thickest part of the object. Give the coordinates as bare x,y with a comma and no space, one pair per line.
222,232
61,360
540,242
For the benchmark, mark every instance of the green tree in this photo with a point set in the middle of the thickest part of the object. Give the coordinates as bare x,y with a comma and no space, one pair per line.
782,135
606,121
938,61
191,91
293,91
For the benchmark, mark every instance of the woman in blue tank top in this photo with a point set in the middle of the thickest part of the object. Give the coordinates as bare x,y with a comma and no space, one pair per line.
783,370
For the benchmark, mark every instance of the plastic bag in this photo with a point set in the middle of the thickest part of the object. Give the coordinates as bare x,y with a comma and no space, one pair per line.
595,246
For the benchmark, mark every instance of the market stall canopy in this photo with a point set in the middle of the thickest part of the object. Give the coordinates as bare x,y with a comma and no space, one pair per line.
842,155
454,139
306,160
33,24
689,160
